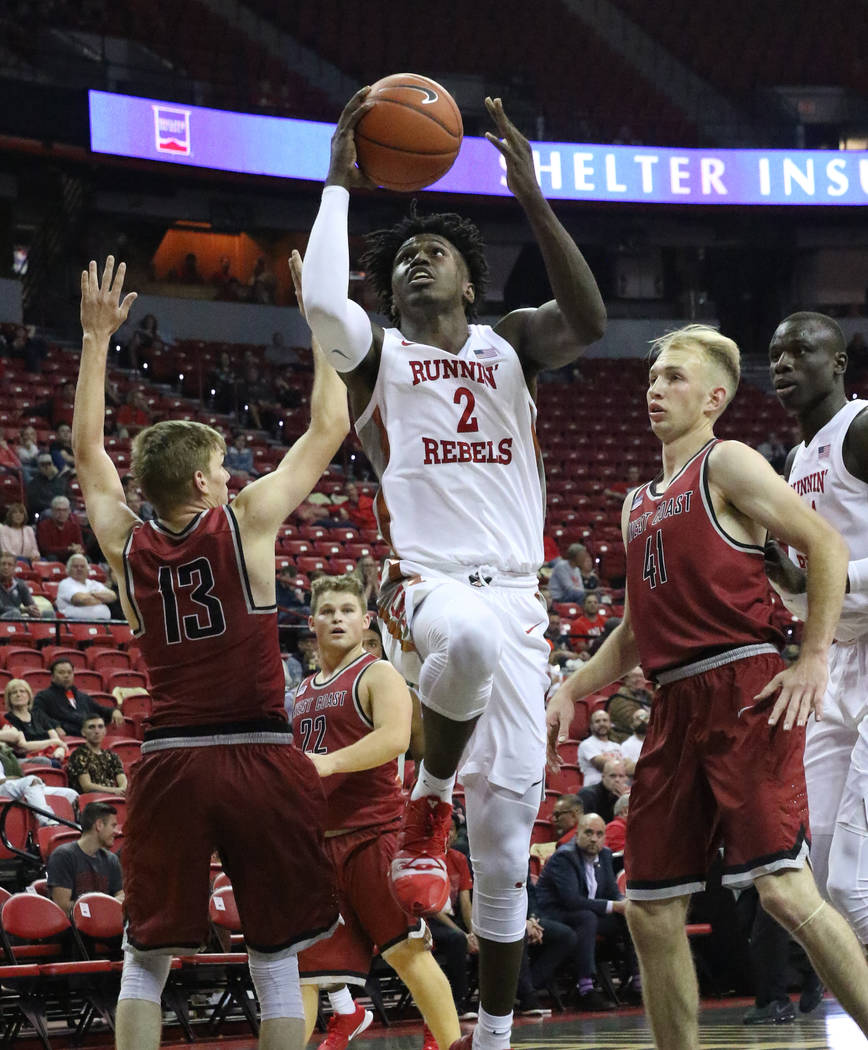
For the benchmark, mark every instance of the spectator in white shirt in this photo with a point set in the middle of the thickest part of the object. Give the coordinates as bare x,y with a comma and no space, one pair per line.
631,747
594,751
81,598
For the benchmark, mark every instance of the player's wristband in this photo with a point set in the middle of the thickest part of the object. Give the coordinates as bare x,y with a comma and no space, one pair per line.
341,326
857,576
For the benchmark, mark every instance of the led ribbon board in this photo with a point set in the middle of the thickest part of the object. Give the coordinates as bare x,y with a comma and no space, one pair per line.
127,126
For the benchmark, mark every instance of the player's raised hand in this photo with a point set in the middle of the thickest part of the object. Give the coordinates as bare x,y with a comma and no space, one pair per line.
520,171
295,269
800,691
343,166
102,311
559,715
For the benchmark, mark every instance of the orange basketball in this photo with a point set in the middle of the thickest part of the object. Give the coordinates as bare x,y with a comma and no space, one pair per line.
411,135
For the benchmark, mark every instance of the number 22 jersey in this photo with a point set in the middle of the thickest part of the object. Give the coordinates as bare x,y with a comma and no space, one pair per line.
694,591
452,439
212,654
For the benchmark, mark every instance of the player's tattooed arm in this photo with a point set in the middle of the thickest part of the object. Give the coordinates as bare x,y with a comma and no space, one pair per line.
554,334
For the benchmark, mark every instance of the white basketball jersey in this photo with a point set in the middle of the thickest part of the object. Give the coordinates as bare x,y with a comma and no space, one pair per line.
819,476
452,439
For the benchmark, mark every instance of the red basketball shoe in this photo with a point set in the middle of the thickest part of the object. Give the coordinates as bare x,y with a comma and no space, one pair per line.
344,1027
428,1040
465,1042
420,882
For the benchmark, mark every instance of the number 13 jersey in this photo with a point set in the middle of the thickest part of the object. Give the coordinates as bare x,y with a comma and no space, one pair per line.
212,655
694,591
452,439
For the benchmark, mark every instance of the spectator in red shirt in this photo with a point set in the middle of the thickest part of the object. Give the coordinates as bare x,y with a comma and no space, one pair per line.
59,536
619,489
134,414
616,829
358,509
451,928
61,405
590,623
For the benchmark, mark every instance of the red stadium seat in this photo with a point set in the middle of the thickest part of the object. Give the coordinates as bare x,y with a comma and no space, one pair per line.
121,633
568,779
128,751
74,634
56,652
15,630
19,659
50,838
541,832
296,547
88,681
311,563
37,680
126,680
49,570
103,660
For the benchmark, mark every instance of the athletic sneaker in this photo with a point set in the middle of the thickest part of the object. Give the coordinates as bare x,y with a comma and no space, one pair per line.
778,1011
465,1042
419,880
428,1040
344,1027
812,994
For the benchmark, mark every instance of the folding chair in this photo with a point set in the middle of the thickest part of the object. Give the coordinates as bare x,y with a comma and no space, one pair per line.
104,660
128,751
98,926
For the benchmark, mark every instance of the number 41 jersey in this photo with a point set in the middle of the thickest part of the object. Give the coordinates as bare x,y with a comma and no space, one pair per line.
452,439
212,655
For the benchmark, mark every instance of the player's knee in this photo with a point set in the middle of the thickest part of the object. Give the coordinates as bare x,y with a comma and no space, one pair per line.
656,925
144,976
475,639
275,978
500,899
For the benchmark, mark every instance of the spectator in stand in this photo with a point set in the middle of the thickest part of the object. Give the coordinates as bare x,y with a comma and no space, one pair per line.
291,604
566,814
189,271
9,461
59,534
135,500
16,600
596,750
256,408
369,572
66,706
590,579
547,945
61,449
590,624
578,887
774,450
566,583
616,829
558,637
91,767
262,283
631,748
619,489
223,381
27,451
88,864
239,457
61,405
601,798
224,280
278,353
609,626
28,346
134,414
145,340
79,597
452,928
631,695
308,654
551,552
358,508
39,734
16,536
47,483
28,788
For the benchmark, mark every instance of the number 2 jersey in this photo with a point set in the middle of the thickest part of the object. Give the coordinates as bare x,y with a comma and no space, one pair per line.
694,591
328,716
212,654
452,439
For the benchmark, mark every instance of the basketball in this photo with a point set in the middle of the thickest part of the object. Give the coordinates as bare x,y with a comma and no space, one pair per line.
411,135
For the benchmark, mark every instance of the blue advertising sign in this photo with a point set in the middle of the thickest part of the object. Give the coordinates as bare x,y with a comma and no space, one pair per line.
127,126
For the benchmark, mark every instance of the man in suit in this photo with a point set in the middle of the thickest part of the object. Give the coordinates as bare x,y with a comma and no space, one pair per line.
578,887
66,706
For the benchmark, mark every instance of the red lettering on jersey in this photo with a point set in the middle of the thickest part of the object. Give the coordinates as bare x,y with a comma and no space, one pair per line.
432,371
436,452
418,370
448,451
431,447
505,451
815,482
450,369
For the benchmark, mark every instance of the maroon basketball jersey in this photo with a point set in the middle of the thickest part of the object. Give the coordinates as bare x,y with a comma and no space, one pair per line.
212,654
694,591
327,716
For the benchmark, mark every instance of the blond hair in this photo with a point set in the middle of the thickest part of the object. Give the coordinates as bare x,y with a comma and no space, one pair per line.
167,455
349,583
718,350
12,684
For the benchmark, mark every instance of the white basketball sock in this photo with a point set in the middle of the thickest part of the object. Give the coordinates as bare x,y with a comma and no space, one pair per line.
492,1032
341,1001
428,784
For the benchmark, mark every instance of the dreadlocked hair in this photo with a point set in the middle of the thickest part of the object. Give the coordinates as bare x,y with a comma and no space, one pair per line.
381,247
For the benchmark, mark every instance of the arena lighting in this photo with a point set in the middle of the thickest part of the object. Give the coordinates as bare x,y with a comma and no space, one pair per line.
127,126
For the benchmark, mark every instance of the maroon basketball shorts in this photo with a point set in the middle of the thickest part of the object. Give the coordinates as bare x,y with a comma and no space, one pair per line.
714,773
370,913
262,807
